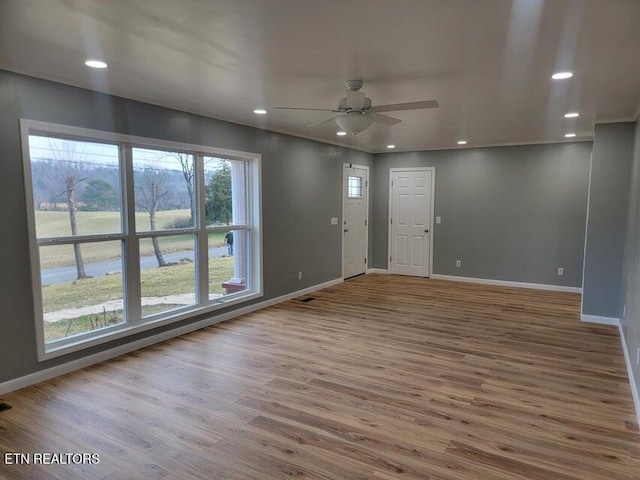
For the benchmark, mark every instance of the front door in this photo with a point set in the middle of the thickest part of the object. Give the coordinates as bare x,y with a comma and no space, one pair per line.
410,221
355,219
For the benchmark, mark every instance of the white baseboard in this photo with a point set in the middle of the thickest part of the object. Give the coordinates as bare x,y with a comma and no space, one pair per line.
377,270
506,283
601,320
42,375
627,358
632,381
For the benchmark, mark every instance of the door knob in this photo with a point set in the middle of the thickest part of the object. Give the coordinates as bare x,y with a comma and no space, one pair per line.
346,230
426,230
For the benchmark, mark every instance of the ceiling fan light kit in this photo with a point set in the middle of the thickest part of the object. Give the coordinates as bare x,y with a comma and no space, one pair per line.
357,112
354,122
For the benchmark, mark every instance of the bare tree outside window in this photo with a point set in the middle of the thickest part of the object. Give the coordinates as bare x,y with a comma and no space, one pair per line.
151,193
69,167
187,166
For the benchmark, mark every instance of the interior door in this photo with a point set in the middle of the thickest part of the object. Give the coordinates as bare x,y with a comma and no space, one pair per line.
355,220
410,222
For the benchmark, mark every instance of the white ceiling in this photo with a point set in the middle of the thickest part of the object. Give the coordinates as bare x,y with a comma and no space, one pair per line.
488,62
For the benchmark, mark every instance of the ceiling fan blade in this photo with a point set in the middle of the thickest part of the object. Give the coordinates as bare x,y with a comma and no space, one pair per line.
323,121
396,107
355,100
310,109
384,119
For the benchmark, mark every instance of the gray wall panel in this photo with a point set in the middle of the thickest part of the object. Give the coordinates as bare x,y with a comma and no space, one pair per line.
631,277
609,193
508,213
301,190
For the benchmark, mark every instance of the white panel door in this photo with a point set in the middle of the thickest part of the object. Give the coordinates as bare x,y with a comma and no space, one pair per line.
410,222
354,222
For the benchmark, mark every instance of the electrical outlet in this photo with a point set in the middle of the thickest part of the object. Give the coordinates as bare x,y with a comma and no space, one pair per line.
299,275
560,271
458,263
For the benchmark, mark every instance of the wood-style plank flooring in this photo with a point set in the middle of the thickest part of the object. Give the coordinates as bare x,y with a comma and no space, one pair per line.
380,378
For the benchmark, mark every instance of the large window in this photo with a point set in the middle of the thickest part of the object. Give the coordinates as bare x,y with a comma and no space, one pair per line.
128,233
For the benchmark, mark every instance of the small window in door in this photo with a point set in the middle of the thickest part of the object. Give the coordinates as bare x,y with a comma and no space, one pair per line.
354,187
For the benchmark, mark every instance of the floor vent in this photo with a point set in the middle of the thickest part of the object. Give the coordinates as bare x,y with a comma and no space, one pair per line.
4,406
307,300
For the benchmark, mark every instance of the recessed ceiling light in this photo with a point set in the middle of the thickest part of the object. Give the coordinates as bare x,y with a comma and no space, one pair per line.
341,133
260,111
569,135
562,75
390,147
95,64
462,142
571,115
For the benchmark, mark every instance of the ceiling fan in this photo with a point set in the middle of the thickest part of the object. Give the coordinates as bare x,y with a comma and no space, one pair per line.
357,112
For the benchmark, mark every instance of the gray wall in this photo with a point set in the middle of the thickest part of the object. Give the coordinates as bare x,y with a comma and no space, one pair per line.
609,192
301,190
631,276
508,213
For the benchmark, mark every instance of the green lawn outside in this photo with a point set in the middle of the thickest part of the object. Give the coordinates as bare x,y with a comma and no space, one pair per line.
56,224
52,224
172,280
86,323
156,282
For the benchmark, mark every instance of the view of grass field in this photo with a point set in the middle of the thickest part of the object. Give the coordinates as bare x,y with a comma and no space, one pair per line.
53,224
157,282
56,223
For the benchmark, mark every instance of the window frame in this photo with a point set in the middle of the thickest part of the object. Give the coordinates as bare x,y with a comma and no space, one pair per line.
129,237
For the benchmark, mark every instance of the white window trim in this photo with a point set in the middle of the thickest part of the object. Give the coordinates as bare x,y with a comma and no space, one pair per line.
131,289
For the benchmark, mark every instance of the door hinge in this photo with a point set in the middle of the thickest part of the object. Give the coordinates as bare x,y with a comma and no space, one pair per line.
391,220
390,258
365,260
366,183
392,183
366,222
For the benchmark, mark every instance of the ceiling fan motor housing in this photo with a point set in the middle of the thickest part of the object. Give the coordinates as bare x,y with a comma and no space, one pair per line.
344,106
354,85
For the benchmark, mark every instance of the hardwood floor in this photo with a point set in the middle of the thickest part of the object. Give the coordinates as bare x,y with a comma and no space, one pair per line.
380,378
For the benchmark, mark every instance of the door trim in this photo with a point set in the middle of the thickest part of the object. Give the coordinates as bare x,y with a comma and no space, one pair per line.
433,197
344,202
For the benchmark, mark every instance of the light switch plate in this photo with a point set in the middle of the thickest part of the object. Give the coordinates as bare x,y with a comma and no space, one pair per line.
334,220
438,220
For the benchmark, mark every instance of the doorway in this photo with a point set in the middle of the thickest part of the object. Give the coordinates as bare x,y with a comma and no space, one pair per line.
355,219
411,198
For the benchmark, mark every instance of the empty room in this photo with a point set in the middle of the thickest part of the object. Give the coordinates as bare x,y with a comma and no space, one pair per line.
320,239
